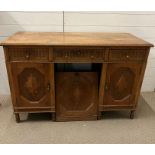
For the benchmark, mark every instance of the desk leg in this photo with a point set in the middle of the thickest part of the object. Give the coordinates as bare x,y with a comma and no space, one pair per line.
53,116
99,116
132,112
17,117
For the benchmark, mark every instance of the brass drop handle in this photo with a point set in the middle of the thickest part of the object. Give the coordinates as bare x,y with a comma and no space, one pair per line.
48,87
27,55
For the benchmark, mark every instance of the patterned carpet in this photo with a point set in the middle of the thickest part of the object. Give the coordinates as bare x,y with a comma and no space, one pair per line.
115,127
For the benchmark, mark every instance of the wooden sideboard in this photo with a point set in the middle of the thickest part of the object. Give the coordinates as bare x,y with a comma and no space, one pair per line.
42,78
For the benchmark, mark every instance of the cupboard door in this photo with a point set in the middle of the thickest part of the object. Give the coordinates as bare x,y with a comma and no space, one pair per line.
32,85
121,84
76,96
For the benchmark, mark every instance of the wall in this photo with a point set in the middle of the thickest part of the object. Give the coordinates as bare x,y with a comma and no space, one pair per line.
11,22
141,24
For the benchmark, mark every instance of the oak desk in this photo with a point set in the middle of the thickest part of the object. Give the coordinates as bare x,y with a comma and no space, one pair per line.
40,80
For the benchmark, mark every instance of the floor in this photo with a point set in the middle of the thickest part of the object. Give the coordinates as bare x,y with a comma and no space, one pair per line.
115,127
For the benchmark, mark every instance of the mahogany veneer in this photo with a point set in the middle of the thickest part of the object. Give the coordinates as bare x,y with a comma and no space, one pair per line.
36,86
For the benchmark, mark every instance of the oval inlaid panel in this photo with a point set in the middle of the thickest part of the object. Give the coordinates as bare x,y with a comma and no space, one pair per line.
121,83
31,84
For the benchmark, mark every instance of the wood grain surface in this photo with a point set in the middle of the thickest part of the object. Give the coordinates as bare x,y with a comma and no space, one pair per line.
68,38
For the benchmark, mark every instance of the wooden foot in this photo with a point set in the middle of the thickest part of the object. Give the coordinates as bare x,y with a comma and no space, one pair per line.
17,118
132,112
53,116
99,116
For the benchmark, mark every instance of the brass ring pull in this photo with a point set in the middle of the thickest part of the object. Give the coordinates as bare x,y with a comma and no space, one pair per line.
127,56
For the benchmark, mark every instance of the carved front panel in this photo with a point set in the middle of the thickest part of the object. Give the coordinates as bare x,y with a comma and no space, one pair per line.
28,53
79,54
121,83
31,82
127,54
76,95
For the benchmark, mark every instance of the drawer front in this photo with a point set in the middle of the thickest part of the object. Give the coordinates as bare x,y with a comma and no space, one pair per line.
28,54
126,54
79,54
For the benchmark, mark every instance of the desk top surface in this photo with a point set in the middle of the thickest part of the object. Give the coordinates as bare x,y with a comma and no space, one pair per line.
74,39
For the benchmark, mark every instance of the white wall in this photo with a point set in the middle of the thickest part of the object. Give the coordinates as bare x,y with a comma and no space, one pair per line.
11,22
141,24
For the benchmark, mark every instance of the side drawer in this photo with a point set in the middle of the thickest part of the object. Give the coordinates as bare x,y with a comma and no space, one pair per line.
28,54
78,54
126,54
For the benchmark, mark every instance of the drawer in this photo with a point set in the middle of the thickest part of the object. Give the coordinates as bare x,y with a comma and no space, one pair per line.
127,54
72,54
28,54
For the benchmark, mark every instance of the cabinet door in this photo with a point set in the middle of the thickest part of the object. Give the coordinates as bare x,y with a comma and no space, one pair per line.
76,96
32,85
121,84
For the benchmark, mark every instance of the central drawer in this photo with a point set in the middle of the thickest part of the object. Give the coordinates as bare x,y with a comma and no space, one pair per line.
78,54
